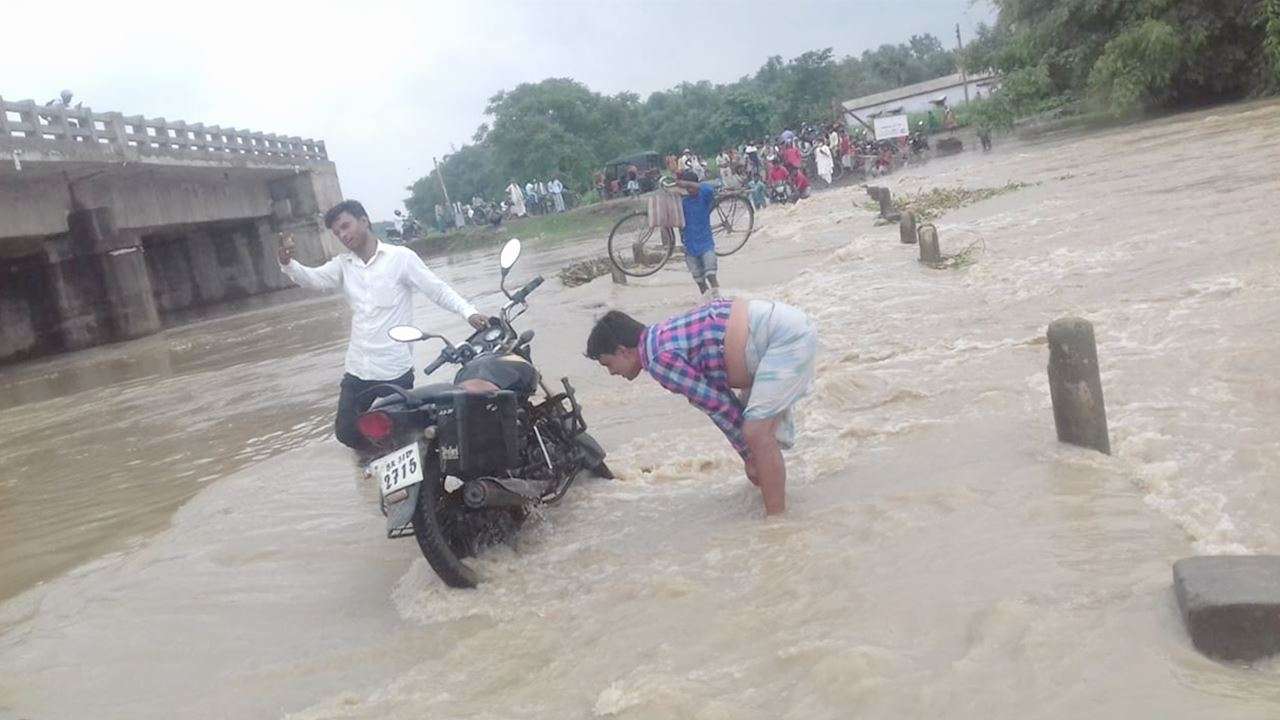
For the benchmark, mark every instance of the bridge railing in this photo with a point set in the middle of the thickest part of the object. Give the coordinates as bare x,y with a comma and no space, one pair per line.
57,124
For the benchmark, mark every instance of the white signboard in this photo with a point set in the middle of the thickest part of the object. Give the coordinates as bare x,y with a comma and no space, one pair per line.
892,126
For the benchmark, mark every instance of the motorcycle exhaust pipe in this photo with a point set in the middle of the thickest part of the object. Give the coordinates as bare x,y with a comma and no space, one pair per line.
486,493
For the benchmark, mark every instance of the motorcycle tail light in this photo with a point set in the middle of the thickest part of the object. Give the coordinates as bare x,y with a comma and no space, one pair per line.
376,426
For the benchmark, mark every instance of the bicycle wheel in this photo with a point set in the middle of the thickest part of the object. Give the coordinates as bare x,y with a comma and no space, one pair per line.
732,220
637,249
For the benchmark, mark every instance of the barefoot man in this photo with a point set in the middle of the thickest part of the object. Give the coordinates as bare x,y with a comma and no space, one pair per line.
764,348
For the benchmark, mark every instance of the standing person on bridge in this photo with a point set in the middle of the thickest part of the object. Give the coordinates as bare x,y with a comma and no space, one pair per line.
378,281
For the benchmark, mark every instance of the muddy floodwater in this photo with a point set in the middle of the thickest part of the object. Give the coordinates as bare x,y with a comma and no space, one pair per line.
182,537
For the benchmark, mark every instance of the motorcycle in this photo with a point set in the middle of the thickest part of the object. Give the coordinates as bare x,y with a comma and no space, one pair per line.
410,230
465,463
782,193
919,143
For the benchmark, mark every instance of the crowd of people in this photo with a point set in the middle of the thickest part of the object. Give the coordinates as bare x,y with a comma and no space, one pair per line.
779,169
783,170
536,197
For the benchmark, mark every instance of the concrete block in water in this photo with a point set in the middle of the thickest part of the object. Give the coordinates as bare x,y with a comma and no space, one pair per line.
907,228
1075,384
1230,604
929,250
883,196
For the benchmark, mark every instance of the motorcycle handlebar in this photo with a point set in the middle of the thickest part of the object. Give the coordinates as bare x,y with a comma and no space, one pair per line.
435,365
523,292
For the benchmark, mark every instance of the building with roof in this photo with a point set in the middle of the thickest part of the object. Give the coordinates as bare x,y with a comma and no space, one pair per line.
933,94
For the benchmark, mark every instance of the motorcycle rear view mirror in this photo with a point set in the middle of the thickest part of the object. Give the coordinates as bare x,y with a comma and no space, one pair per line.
510,253
406,333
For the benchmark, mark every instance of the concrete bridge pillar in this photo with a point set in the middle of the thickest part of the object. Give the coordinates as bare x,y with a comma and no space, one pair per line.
239,276
205,273
298,204
263,245
98,281
25,320
170,273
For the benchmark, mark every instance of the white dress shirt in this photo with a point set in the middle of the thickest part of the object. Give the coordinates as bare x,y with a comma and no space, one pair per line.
380,293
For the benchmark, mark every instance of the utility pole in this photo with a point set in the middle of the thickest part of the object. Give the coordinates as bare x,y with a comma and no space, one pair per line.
440,175
960,63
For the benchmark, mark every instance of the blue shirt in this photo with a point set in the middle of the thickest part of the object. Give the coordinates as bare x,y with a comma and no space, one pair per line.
697,221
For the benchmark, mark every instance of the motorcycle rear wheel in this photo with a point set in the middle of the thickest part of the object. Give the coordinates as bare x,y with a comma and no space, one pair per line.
434,530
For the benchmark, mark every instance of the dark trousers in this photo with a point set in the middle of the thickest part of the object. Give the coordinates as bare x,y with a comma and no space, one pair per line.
351,403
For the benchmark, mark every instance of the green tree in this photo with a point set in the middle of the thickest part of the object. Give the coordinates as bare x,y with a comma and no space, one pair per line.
468,172
744,113
1137,66
1129,54
557,126
808,87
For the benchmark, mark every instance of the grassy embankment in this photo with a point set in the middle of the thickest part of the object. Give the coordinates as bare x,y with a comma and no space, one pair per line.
587,221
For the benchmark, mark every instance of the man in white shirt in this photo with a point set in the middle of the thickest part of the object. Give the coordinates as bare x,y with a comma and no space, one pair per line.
557,189
378,281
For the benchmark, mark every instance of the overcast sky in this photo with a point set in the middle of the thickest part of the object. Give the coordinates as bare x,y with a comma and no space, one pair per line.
388,85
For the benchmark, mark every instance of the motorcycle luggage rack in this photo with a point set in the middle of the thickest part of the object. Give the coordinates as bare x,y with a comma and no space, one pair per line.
572,415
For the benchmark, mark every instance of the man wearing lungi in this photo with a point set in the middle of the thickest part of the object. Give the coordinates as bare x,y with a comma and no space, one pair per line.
765,349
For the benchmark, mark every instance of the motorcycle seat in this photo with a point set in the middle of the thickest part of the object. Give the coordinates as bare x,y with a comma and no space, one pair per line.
436,393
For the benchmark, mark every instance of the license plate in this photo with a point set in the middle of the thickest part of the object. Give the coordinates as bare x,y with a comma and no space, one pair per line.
400,469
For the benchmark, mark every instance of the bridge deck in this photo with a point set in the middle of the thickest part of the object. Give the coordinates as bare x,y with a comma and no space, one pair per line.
39,134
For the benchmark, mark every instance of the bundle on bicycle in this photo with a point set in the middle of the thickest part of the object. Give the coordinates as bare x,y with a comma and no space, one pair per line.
465,462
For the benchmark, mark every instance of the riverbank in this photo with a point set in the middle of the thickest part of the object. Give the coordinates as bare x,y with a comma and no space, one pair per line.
580,222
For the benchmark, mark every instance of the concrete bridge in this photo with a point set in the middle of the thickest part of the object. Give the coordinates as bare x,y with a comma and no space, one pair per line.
109,223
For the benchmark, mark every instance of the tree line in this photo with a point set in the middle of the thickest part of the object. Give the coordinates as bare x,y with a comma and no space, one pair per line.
1123,57
560,126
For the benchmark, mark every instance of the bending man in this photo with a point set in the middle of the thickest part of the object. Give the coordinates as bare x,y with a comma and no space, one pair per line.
762,347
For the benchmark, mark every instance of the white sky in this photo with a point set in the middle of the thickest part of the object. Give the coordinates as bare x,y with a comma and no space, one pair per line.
387,85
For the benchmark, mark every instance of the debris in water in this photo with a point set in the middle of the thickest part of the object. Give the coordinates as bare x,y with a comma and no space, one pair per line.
584,271
931,204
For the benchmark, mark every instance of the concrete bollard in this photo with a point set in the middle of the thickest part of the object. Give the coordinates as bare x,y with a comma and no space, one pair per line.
1076,385
1230,604
885,198
929,250
619,277
637,253
907,228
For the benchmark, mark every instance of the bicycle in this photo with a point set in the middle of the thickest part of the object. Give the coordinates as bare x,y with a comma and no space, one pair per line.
638,250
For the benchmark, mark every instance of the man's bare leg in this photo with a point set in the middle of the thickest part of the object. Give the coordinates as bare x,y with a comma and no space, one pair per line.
766,460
